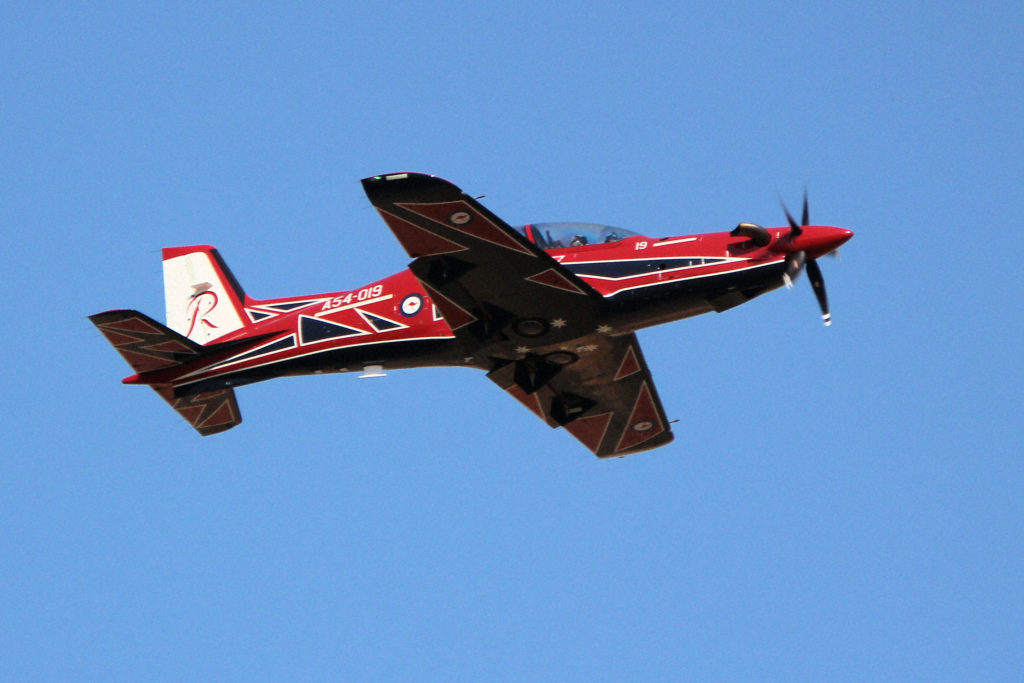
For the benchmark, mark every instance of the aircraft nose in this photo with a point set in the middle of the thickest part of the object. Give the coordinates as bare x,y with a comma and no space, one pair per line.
820,240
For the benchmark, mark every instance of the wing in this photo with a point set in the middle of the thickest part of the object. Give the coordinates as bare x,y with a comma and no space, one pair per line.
495,289
602,394
533,321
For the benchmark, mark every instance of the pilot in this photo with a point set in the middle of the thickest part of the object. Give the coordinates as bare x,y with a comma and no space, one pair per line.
613,236
578,241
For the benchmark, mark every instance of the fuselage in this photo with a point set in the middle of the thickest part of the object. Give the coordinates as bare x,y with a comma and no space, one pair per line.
393,323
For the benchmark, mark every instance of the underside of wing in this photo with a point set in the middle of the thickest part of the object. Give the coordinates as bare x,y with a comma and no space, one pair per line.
496,289
599,389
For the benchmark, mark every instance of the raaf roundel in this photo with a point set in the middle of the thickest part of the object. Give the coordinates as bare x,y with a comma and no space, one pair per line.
548,311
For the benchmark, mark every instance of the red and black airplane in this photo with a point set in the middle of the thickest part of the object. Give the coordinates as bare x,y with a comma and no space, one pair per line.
548,310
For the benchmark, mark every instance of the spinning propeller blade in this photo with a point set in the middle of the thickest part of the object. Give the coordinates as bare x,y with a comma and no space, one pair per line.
795,261
796,228
818,285
794,264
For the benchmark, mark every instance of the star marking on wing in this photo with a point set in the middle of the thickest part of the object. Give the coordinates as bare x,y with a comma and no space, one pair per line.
558,322
586,348
604,329
522,349
467,359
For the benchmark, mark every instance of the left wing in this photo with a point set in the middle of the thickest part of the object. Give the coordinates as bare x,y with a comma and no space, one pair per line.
605,398
494,287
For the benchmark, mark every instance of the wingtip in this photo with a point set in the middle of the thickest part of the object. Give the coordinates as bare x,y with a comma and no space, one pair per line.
400,175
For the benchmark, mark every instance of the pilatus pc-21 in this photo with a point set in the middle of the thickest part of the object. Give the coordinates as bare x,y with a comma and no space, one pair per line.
549,311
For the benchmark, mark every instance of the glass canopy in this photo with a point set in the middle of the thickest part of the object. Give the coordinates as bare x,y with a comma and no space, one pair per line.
555,235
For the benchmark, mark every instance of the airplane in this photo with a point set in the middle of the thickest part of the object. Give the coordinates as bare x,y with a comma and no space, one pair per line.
548,310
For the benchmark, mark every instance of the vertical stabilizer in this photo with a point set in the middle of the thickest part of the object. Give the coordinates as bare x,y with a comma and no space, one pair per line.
204,301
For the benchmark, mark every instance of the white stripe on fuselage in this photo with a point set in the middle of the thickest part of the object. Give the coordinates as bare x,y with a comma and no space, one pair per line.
676,241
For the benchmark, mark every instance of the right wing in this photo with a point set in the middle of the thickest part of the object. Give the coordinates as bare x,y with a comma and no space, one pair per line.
606,398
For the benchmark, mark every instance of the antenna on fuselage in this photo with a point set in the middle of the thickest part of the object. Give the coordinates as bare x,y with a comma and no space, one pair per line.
373,371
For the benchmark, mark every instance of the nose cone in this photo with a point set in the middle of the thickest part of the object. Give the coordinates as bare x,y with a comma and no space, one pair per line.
818,240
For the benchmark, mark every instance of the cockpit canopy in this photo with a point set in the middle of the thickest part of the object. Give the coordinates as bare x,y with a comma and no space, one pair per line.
556,235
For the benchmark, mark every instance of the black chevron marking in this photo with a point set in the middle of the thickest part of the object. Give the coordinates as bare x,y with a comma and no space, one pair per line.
315,330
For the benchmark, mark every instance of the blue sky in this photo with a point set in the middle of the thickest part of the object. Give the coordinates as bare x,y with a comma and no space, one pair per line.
840,503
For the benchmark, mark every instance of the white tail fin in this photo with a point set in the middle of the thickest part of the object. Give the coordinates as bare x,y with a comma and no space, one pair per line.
204,301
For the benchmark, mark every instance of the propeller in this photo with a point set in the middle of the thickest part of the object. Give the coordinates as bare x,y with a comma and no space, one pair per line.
797,260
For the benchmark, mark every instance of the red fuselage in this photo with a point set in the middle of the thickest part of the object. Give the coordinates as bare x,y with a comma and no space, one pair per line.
393,323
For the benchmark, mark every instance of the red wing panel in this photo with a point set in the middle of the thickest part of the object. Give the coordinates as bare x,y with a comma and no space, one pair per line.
531,401
417,241
553,278
644,422
629,365
590,431
466,219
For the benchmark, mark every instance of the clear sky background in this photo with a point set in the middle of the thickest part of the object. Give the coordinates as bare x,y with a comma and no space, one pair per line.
839,503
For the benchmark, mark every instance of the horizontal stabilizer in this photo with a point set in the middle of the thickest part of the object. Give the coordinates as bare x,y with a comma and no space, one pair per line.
209,412
143,342
147,345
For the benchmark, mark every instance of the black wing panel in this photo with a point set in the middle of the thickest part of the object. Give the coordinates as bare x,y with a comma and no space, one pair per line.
494,287
606,398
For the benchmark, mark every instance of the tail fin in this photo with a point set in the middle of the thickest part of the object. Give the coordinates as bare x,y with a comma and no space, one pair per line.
204,300
147,345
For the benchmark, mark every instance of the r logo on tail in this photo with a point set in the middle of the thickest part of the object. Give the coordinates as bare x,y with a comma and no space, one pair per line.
200,306
197,285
